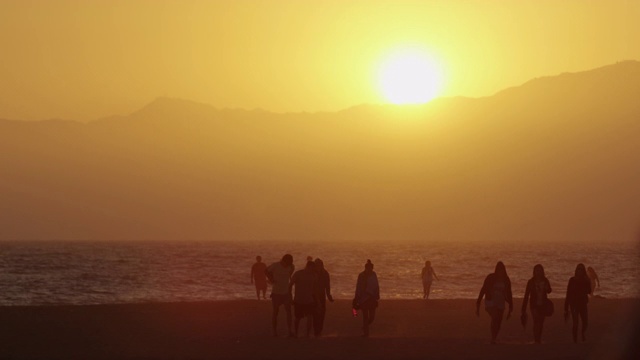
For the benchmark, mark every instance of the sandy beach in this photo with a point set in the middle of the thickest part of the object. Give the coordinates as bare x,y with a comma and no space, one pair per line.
404,329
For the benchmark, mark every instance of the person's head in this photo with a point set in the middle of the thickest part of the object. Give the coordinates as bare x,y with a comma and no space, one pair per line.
538,271
310,266
319,264
590,270
368,266
427,263
500,269
287,260
309,258
581,271
259,258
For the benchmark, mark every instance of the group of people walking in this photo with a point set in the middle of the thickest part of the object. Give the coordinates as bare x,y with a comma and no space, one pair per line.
496,291
311,288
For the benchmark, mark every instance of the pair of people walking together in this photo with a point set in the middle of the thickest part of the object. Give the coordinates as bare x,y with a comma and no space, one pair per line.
312,289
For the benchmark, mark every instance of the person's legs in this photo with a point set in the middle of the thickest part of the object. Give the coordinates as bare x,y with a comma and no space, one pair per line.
427,290
365,321
372,315
496,322
538,322
584,316
274,318
368,315
318,317
309,323
491,312
299,313
287,309
257,291
495,326
297,325
542,318
574,318
536,328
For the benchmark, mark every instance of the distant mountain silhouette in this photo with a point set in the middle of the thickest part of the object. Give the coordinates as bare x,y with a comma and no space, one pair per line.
557,158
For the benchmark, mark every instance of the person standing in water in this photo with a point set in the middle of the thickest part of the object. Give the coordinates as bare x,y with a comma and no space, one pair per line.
593,278
536,293
427,278
323,292
497,291
367,296
279,274
259,277
578,291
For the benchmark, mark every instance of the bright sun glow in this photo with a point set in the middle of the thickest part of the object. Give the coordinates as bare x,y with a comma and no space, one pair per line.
410,77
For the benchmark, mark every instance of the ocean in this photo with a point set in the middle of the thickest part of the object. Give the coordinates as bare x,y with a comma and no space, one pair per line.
83,272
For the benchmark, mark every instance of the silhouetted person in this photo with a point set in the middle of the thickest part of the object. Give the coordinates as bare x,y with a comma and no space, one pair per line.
259,277
536,293
304,301
322,292
497,291
578,291
593,278
279,274
427,278
367,295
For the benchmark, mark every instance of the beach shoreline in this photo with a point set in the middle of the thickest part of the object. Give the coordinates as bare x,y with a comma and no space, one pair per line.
241,329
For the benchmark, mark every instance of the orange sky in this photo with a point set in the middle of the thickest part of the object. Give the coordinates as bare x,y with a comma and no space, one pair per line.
81,59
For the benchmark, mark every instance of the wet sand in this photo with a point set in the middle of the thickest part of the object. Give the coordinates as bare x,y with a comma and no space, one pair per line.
404,329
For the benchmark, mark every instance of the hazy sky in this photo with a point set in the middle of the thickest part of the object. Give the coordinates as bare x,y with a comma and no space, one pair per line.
85,59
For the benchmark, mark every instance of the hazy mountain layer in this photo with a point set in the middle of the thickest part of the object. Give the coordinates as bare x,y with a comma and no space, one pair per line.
556,158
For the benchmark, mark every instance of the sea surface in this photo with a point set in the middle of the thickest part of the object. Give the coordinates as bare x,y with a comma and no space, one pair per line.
56,273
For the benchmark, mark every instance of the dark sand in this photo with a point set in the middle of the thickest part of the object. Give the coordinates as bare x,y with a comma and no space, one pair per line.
404,329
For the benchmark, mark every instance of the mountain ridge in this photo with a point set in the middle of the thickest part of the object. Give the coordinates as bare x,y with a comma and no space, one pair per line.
628,70
621,68
558,165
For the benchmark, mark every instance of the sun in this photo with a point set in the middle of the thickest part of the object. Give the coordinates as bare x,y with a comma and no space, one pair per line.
410,77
